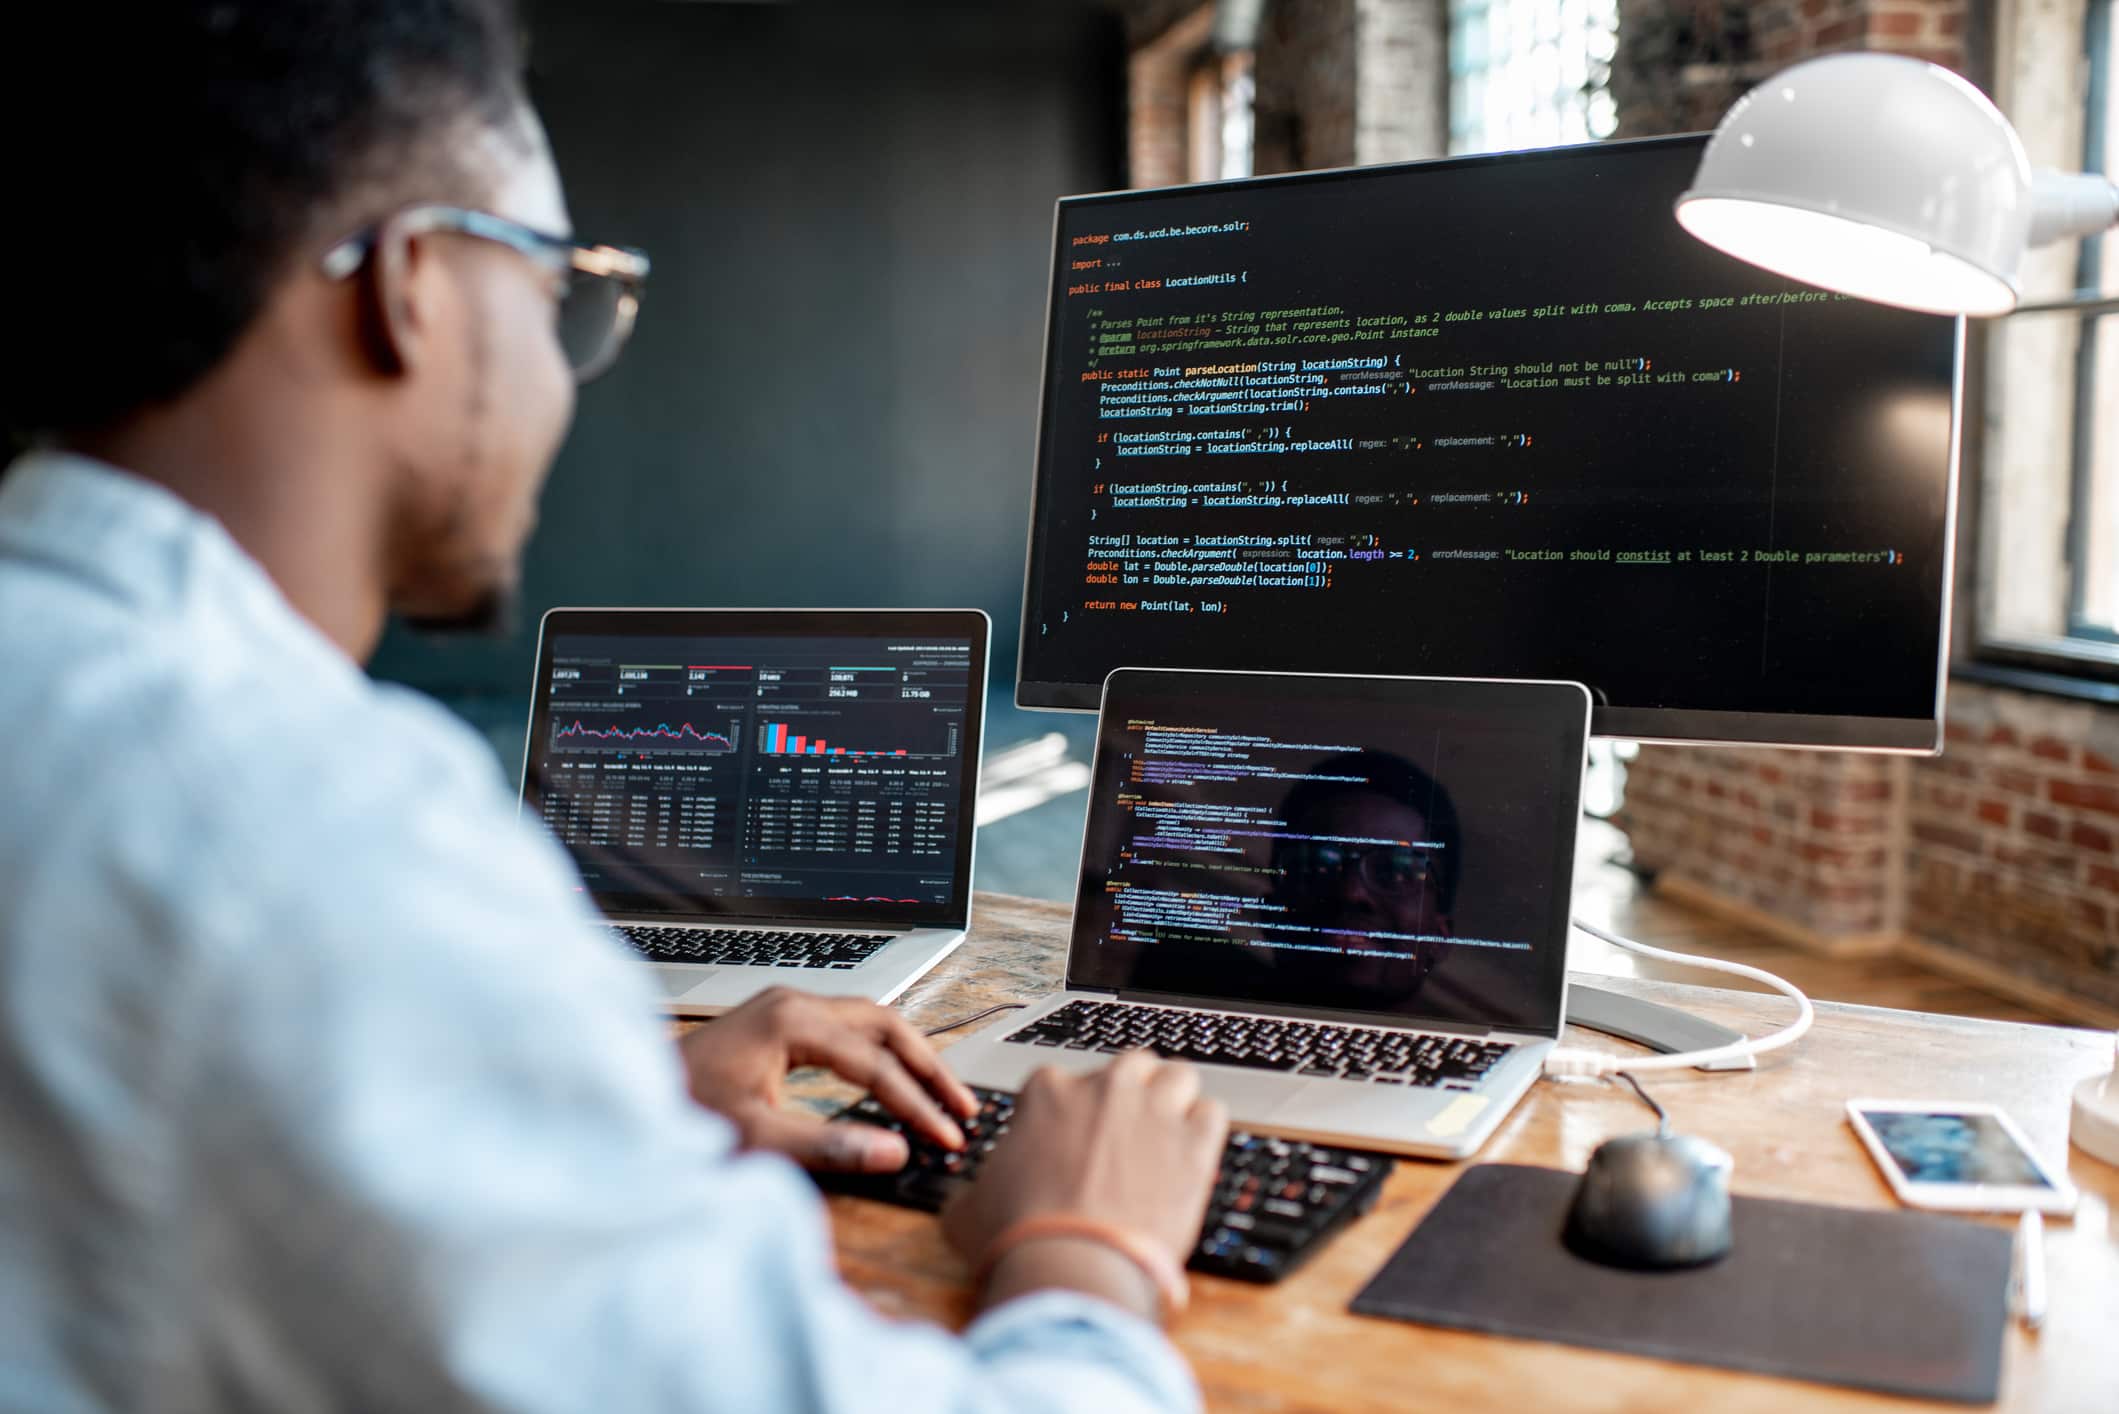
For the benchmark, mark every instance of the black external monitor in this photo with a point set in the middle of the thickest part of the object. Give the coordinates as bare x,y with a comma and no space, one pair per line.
1490,417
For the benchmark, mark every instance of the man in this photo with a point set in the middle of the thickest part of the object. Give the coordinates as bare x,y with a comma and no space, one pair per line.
285,1122
1401,883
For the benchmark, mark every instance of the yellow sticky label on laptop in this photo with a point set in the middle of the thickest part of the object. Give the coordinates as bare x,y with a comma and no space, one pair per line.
1456,1115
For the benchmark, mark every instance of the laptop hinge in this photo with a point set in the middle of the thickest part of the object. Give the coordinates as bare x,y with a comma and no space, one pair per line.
791,925
1308,1013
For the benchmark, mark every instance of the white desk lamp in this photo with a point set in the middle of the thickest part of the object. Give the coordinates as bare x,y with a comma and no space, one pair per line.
1897,181
2094,1127
1891,180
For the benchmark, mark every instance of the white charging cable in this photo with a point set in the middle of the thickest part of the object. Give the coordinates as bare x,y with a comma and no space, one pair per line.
1564,1061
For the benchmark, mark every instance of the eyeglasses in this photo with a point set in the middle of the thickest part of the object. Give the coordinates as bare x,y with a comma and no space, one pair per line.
600,284
1391,869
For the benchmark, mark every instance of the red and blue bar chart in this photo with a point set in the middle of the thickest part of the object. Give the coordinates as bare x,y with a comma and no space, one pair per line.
779,739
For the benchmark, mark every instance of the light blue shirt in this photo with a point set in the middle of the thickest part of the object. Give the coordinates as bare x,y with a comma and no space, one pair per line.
317,1088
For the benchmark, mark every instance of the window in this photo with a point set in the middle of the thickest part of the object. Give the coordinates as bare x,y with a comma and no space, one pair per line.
1219,117
1239,92
1191,100
1530,73
2048,517
2093,531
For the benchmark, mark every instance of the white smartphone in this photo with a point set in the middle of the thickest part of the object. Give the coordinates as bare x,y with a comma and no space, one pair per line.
1966,1158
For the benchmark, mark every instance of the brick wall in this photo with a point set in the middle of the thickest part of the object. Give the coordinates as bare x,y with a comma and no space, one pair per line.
1158,87
1342,82
1339,82
2013,848
1788,30
1998,859
1681,63
1305,95
1804,837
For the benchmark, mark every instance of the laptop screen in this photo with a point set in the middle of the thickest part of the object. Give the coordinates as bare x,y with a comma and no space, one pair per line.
1394,847
799,765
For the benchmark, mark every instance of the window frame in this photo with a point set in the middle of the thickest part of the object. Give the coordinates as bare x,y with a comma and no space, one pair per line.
2077,658
2089,275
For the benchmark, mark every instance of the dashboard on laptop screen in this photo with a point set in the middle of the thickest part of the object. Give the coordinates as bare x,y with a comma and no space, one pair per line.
1394,847
770,774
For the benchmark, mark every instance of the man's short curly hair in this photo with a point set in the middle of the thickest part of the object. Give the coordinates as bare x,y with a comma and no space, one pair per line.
171,157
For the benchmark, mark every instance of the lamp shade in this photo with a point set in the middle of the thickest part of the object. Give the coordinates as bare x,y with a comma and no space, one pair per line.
1875,175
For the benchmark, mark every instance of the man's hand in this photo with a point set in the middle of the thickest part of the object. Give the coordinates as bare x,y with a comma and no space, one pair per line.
736,1065
1134,1144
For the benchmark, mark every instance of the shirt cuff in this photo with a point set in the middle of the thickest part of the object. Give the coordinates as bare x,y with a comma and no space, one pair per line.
1074,1330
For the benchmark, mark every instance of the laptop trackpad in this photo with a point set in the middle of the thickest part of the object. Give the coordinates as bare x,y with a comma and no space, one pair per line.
1337,1106
1250,1096
676,981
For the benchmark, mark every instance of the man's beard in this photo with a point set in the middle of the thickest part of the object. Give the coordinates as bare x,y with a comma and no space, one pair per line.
493,613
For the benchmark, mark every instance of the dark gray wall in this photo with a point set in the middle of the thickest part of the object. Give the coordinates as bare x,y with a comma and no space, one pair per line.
832,395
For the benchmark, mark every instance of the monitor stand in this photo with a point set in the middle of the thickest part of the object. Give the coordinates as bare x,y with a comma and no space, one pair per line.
1662,1029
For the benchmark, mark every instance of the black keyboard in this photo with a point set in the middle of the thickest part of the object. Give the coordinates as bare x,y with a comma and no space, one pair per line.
1275,1203
1269,1043
753,948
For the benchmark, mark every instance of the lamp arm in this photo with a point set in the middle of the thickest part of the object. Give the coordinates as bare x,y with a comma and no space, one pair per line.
2067,204
2081,302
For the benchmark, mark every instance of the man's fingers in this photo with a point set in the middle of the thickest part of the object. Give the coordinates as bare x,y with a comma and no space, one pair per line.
820,1031
1174,1085
906,1098
853,1039
919,1056
1208,1115
853,1056
1132,1067
840,1147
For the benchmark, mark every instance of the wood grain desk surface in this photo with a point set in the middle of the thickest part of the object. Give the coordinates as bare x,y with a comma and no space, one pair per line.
1296,1347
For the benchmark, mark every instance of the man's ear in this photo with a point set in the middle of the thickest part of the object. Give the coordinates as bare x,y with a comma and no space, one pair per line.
397,320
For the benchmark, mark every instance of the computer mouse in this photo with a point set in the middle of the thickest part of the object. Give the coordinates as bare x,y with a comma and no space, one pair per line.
1652,1201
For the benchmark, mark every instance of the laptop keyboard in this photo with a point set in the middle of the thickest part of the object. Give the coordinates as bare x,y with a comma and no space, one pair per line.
743,947
1269,1043
1274,1204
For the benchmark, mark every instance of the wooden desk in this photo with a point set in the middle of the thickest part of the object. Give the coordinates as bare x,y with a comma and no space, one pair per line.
1296,1347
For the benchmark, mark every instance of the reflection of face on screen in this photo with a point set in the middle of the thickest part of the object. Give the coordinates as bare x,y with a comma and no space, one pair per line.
1371,860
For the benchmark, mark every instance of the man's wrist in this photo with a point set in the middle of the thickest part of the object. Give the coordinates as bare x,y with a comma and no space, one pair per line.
1074,1264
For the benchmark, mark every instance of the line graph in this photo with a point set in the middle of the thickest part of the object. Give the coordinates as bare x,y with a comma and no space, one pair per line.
681,736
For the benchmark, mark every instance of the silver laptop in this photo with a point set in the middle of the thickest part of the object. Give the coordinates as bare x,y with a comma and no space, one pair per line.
761,797
1344,898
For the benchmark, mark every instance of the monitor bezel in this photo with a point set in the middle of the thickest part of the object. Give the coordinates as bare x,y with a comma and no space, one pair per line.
1913,736
795,623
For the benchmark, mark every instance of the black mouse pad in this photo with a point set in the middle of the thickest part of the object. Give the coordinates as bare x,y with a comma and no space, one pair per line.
1904,1303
